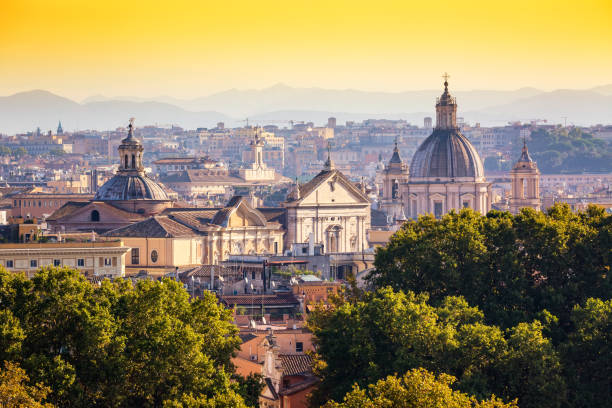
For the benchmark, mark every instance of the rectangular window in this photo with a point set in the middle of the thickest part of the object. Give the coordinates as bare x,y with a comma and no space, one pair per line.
438,209
299,347
9,263
276,247
107,262
253,275
466,204
135,256
33,263
57,262
80,262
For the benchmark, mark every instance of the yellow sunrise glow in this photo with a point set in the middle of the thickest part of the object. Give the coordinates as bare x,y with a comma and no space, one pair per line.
191,48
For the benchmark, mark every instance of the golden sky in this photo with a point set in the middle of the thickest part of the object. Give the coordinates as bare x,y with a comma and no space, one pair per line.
189,48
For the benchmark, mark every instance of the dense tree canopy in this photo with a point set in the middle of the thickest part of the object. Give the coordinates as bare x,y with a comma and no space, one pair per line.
385,332
511,267
115,344
515,306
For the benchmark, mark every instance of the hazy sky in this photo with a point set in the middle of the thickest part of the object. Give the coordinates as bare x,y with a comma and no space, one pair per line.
192,48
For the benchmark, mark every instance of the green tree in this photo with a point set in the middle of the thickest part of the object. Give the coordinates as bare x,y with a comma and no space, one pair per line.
562,151
418,388
15,391
117,344
511,267
250,388
385,332
588,355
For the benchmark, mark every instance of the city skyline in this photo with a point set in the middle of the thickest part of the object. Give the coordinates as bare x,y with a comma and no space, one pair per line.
190,49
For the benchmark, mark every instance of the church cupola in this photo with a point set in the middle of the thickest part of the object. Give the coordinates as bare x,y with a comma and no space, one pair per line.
446,109
130,153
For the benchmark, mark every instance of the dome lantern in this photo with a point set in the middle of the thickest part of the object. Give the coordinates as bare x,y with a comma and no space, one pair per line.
130,152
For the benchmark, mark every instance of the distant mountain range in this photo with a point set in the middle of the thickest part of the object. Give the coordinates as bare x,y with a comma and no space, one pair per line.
280,103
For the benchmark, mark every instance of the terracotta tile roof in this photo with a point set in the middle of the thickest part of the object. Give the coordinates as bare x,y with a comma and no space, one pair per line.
66,209
204,272
246,337
200,219
176,160
274,214
154,227
279,299
71,207
222,216
201,176
296,364
301,386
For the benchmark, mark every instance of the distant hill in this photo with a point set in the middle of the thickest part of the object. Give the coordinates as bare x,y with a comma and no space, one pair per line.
575,106
280,97
27,110
604,89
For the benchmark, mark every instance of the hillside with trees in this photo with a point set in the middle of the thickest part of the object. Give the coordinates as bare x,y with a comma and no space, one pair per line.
573,151
512,306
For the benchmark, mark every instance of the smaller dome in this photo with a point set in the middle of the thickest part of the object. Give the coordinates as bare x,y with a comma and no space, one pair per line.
130,187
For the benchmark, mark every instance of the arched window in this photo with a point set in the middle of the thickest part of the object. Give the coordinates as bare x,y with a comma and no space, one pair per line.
126,161
133,161
95,216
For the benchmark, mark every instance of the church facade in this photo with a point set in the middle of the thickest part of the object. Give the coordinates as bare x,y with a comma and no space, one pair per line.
446,172
330,210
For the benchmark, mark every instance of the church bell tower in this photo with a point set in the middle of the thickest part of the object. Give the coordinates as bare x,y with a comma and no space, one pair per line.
525,179
395,175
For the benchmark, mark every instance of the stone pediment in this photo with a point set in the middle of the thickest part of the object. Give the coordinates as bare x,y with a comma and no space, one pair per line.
437,196
331,188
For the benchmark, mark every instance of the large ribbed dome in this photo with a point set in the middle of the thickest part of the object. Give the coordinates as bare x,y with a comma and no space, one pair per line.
131,187
446,154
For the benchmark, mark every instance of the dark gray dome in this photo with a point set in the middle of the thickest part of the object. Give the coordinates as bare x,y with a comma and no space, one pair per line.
446,154
131,187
